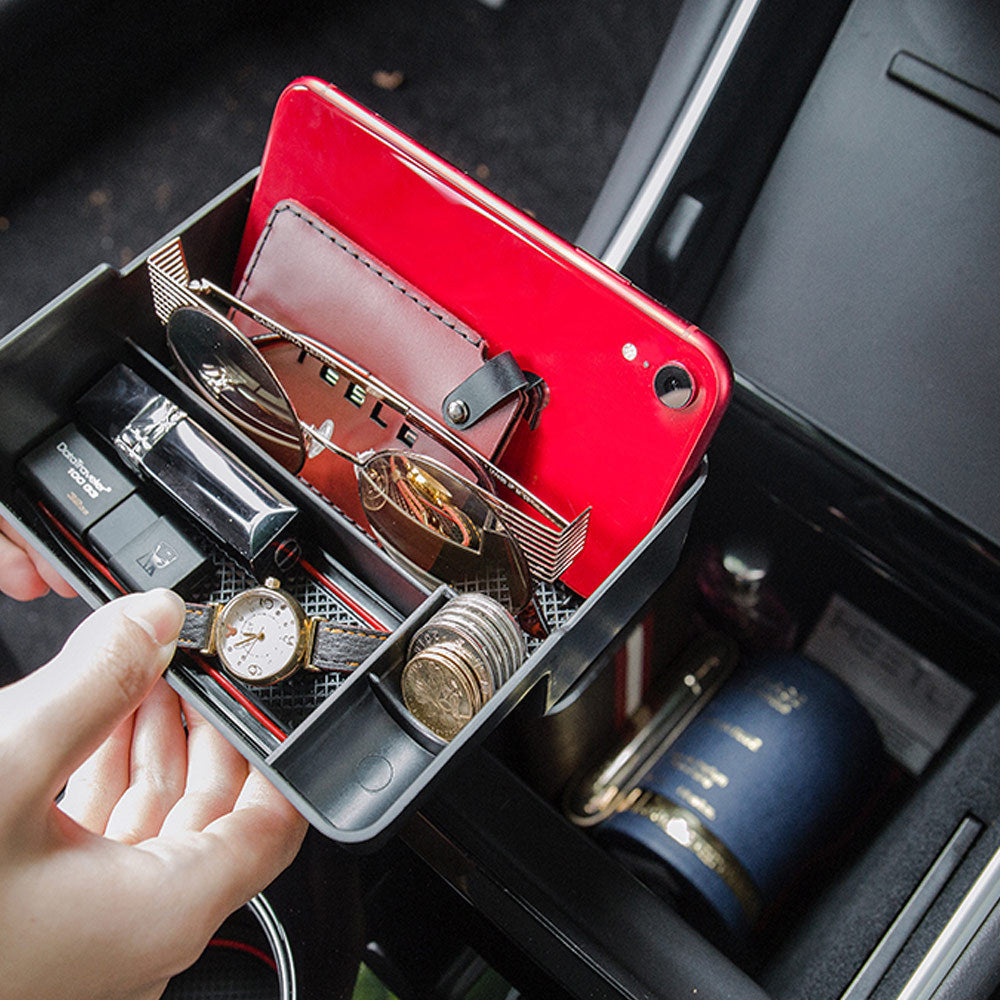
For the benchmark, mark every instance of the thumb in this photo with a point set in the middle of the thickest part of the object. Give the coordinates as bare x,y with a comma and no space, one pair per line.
60,714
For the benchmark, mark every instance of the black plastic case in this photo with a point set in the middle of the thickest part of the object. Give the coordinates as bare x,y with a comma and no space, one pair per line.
359,763
536,895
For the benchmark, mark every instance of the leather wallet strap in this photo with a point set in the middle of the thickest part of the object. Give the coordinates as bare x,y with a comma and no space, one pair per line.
196,632
342,647
491,385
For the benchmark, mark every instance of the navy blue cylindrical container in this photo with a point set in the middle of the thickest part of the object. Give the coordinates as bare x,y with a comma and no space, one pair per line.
774,770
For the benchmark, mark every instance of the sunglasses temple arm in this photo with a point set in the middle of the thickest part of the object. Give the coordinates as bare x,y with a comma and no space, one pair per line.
315,435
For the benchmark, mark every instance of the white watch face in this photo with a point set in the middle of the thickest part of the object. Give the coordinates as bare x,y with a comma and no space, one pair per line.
259,636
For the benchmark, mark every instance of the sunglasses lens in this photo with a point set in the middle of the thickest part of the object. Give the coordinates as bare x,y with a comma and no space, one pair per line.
436,522
233,376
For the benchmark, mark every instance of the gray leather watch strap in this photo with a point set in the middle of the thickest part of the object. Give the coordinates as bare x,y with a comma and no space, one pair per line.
196,632
342,647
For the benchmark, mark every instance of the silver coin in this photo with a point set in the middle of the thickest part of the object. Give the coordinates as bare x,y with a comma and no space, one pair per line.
440,629
501,618
503,630
484,625
468,624
508,629
483,634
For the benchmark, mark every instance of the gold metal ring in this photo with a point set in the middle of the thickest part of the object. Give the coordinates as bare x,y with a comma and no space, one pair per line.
684,828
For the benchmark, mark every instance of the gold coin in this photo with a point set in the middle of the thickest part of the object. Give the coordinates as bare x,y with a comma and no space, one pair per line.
440,691
456,656
481,676
465,659
484,626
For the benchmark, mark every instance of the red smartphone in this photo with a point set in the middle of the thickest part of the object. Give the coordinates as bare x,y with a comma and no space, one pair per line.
634,392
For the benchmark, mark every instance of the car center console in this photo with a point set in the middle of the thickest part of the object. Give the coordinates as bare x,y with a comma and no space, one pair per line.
816,189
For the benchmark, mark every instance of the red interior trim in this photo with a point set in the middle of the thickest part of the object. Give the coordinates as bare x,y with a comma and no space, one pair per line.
237,695
244,947
363,613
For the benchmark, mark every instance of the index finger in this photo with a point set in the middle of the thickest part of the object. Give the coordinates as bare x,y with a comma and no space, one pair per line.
63,711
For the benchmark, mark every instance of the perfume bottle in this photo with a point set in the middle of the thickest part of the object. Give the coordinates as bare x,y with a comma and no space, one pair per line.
732,815
734,595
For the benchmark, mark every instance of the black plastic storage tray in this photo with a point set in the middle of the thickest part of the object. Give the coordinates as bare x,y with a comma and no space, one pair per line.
357,763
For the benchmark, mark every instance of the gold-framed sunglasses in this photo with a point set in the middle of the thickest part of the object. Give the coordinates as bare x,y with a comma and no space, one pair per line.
432,503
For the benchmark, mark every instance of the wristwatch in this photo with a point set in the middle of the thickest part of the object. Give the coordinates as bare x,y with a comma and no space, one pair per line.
262,635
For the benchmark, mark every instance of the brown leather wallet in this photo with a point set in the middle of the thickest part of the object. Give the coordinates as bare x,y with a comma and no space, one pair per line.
312,279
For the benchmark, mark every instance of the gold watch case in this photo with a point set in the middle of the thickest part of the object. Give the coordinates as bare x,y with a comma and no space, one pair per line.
271,627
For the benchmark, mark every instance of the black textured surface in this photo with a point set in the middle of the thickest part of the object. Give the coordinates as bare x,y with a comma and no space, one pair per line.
862,292
533,99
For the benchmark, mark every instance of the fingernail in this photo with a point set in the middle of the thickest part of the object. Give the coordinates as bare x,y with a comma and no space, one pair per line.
160,612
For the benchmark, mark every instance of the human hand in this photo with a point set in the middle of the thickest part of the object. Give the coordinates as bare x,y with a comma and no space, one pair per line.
160,835
24,574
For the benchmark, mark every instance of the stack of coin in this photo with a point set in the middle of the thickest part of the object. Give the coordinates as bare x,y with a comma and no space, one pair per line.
458,659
